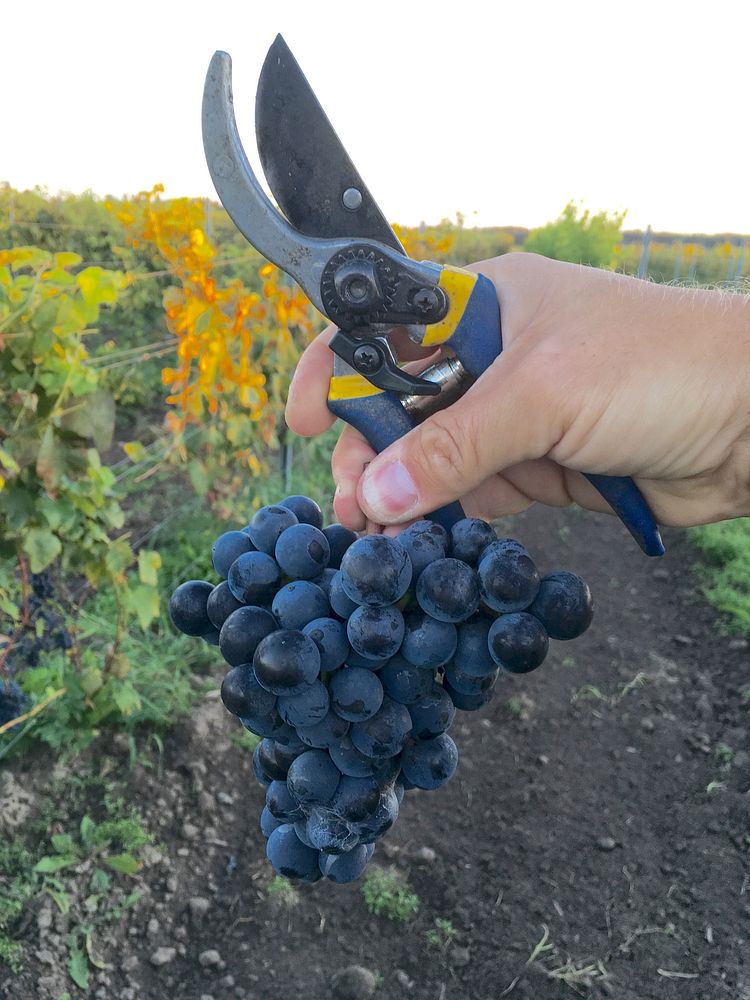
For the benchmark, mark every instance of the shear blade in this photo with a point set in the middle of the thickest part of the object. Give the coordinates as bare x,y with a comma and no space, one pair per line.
305,163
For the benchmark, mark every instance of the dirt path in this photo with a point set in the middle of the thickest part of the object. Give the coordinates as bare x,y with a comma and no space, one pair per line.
579,824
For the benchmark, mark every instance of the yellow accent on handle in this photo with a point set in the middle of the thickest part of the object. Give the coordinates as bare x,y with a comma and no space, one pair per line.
351,387
458,286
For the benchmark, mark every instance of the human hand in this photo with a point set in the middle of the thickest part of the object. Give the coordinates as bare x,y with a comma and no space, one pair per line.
600,373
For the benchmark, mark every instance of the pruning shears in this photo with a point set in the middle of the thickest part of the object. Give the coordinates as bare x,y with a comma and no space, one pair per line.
334,241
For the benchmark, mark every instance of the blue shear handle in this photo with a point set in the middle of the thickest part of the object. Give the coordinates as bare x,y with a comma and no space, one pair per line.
382,420
477,341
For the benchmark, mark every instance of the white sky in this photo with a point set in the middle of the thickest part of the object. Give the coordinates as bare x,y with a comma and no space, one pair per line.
502,111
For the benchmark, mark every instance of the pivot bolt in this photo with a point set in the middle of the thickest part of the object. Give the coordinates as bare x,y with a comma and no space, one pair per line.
426,300
367,359
357,285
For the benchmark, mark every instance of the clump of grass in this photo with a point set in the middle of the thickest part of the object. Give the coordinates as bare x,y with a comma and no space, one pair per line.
387,895
726,577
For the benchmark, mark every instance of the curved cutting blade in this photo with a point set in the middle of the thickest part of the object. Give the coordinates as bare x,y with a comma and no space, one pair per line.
306,166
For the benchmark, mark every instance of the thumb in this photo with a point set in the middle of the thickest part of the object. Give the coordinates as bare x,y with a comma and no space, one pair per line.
509,415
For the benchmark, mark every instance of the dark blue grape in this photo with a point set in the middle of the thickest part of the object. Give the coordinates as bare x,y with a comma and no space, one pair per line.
404,682
13,703
288,738
448,590
211,636
341,603
430,763
298,603
306,708
286,662
329,833
384,734
350,761
254,578
468,683
289,856
281,803
324,580
221,603
300,828
469,537
228,547
243,695
356,693
242,631
355,659
269,725
324,734
339,540
508,578
376,632
355,798
304,509
468,702
376,570
518,642
386,814
431,715
313,778
268,823
266,526
472,653
343,868
302,551
271,761
428,642
563,605
425,541
329,635
187,607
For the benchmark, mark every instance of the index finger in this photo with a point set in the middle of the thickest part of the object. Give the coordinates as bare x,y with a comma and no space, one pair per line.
307,410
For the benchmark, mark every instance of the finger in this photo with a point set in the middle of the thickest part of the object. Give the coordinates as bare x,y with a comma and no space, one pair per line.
350,457
307,410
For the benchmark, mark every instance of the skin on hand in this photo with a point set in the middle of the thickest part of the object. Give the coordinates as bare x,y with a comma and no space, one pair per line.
600,373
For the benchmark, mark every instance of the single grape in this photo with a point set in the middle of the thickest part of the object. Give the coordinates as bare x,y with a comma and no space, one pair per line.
469,537
221,603
467,683
425,541
266,526
313,778
432,715
355,659
342,604
302,551
289,856
243,695
211,636
299,603
376,570
254,578
356,694
281,803
563,605
268,823
329,635
350,761
324,580
430,763
428,642
386,814
404,682
329,833
270,724
339,540
304,509
288,738
343,868
324,734
472,653
518,642
272,761
242,631
306,708
228,547
375,632
187,607
508,578
468,702
300,828
448,590
355,798
286,662
384,734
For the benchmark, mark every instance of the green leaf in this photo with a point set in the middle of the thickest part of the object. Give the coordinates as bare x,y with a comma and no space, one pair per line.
149,563
91,681
124,863
88,829
42,547
63,843
78,965
92,417
126,698
50,461
93,957
54,863
145,602
199,477
100,881
59,896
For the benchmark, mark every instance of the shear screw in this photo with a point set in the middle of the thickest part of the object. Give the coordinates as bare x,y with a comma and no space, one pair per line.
425,300
352,199
367,359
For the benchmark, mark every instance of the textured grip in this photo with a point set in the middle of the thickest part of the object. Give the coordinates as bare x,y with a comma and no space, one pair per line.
381,419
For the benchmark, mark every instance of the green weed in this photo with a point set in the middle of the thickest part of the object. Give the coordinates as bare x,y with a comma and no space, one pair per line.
386,895
725,579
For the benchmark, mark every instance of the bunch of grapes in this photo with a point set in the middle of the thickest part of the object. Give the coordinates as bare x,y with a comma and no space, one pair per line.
350,656
13,702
